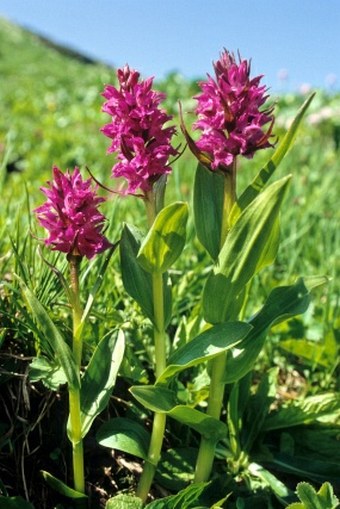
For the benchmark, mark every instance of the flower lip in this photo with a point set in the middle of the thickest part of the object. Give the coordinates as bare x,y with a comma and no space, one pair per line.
71,215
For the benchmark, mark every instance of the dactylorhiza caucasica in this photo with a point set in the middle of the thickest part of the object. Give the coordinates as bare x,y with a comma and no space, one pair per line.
239,233
143,147
75,227
232,123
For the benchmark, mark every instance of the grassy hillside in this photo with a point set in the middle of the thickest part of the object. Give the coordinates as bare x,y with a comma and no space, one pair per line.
48,100
50,113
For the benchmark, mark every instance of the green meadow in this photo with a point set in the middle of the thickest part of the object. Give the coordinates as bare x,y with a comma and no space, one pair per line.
50,114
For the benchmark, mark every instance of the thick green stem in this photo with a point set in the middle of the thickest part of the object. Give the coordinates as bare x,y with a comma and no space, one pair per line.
154,453
77,442
158,427
74,262
206,451
207,448
74,395
229,198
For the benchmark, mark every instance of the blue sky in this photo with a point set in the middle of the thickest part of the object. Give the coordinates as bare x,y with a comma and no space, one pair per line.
301,37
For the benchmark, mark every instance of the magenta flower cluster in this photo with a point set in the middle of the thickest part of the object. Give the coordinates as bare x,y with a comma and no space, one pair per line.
137,131
229,114
71,215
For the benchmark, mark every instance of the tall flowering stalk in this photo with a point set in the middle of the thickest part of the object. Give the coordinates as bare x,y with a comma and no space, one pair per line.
75,227
232,122
141,141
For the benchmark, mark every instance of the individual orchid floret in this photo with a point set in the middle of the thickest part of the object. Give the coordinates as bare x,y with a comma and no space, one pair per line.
138,132
229,115
71,215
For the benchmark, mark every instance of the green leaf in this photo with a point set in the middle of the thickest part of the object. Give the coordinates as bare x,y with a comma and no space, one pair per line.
94,290
61,487
210,428
258,407
155,397
165,240
234,420
242,252
176,468
282,303
323,499
308,496
125,435
208,207
263,176
14,503
53,337
305,411
162,400
50,373
280,490
323,352
206,346
124,501
305,467
137,281
320,439
327,496
189,498
100,377
271,248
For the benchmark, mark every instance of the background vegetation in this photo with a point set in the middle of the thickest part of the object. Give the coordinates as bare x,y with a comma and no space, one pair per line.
50,106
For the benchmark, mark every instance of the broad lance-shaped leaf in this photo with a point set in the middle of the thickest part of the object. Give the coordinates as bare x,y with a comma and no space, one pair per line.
206,346
242,253
208,207
263,176
99,378
125,435
137,281
309,410
271,248
53,336
305,467
282,303
165,239
61,487
162,400
190,497
258,407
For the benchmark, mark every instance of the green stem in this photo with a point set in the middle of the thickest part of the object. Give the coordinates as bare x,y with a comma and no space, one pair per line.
206,451
74,395
74,263
154,453
207,448
229,198
158,427
77,442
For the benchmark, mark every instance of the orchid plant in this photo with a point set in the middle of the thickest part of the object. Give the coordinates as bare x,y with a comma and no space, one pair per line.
75,227
240,233
143,149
